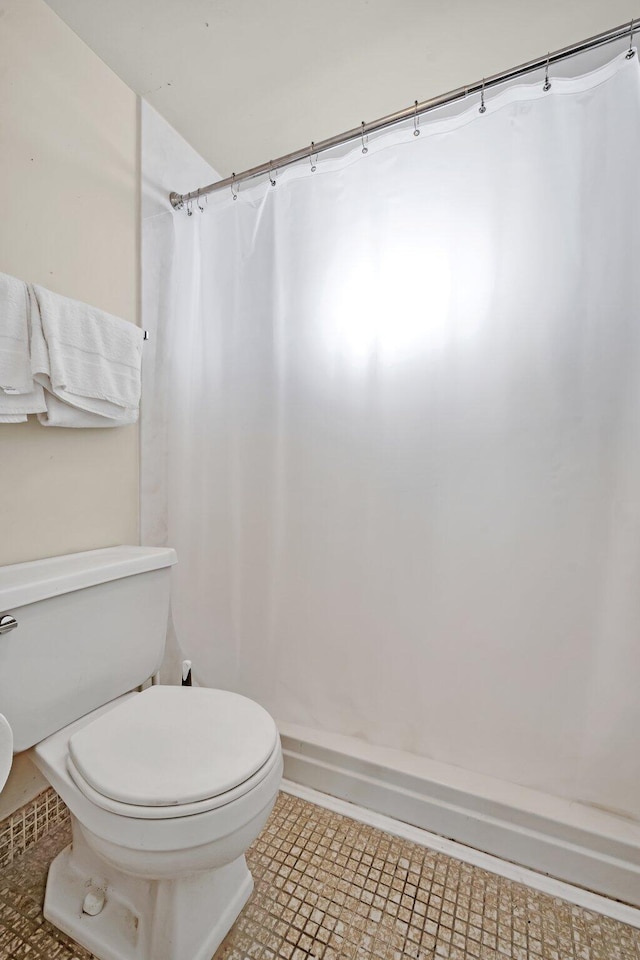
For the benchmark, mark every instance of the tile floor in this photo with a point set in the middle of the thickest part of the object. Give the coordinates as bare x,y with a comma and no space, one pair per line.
29,824
327,886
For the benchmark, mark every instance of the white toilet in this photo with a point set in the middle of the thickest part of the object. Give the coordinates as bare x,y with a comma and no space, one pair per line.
167,788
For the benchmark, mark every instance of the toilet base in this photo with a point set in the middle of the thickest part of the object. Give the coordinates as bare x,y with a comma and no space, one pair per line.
183,919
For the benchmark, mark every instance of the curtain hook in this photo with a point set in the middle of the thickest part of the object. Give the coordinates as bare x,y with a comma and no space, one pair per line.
272,176
547,83
483,108
631,51
189,208
311,161
416,121
200,207
364,149
234,193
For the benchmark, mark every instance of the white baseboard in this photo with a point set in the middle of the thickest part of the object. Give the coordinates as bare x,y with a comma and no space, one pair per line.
523,833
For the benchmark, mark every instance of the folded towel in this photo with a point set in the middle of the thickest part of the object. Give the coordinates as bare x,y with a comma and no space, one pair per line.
15,368
13,418
87,360
19,395
61,414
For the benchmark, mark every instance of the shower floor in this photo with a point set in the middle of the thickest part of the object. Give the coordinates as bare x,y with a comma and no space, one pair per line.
329,887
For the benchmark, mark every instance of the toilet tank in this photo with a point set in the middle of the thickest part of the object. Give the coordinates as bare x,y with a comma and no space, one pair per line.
90,627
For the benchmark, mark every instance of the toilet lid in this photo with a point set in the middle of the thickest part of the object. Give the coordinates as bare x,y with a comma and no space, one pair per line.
174,745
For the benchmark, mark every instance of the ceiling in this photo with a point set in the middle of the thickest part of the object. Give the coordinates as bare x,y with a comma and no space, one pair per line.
247,80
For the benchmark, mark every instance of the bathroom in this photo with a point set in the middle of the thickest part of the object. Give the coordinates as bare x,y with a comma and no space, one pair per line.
379,495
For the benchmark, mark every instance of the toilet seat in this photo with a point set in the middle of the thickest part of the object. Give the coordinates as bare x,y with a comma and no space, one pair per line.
173,751
176,811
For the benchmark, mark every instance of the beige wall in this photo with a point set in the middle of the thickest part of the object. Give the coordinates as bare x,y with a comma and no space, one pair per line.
68,220
244,81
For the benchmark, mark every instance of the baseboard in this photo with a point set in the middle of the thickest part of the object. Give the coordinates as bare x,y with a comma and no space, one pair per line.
585,847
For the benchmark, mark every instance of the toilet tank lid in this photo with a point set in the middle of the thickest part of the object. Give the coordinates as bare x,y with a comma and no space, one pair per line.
23,583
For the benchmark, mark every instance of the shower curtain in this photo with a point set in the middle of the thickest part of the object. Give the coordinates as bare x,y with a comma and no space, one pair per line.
392,428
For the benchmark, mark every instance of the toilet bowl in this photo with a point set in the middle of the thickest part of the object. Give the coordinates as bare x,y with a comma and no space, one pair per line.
159,842
167,788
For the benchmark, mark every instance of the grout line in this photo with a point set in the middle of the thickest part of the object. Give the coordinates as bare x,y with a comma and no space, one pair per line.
22,829
451,848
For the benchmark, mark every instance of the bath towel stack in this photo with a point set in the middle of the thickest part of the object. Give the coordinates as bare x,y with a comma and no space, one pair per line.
71,364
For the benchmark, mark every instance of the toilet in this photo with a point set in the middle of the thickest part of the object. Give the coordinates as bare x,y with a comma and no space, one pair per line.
167,786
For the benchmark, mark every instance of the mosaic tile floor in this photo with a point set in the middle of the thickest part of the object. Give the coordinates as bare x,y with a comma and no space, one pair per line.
328,887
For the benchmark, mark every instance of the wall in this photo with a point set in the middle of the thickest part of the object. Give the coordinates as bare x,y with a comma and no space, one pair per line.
69,174
167,163
246,81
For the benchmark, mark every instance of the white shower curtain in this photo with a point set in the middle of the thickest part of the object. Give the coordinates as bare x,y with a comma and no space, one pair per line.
392,429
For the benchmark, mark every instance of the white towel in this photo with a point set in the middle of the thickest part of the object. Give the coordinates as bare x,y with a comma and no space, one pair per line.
61,414
19,394
13,417
87,360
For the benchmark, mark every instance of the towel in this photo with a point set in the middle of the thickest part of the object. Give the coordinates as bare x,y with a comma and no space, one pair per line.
87,360
19,394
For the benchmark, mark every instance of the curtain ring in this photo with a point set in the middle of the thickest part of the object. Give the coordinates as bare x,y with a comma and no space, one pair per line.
547,83
416,122
272,176
364,149
631,52
311,161
483,108
234,192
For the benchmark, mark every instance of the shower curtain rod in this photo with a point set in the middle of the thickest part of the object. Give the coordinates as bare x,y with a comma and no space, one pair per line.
178,200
